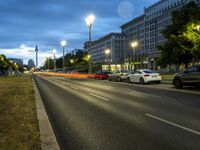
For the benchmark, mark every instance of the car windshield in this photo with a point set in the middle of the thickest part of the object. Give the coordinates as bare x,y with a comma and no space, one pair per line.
149,71
125,71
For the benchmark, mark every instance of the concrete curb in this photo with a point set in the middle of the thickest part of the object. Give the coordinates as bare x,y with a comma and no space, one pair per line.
47,136
166,82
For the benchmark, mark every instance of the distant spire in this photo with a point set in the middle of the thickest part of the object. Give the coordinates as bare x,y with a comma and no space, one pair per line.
36,48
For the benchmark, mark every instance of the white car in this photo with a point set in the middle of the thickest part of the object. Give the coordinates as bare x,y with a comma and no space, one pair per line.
144,76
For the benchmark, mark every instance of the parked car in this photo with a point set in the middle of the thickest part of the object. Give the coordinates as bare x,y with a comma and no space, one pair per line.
144,76
189,77
102,74
118,75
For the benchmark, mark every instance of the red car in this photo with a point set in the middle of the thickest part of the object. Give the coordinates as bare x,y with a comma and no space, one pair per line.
102,74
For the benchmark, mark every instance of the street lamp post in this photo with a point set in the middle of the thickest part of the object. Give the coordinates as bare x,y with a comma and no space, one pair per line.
63,44
134,44
89,21
107,52
54,59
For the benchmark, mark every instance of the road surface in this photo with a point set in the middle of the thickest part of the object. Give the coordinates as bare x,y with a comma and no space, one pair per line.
89,114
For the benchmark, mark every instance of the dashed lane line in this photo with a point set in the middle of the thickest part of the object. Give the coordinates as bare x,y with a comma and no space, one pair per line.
174,124
99,96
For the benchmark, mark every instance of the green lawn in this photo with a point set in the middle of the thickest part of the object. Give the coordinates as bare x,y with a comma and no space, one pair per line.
18,122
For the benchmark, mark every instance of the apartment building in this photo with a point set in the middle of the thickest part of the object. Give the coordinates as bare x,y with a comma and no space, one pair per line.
115,43
146,30
17,61
135,32
157,16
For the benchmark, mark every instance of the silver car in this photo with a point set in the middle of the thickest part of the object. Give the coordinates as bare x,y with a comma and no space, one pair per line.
118,75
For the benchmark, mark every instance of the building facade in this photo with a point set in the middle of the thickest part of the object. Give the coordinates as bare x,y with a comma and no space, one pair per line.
17,61
31,64
114,43
135,32
146,30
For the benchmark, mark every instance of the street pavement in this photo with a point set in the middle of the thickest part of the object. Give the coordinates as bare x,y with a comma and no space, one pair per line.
89,114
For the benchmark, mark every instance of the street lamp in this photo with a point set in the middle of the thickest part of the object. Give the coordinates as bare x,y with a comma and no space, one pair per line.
54,58
198,27
134,44
89,21
71,61
107,52
63,44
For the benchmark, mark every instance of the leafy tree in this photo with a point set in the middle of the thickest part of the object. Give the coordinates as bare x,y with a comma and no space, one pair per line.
182,37
6,63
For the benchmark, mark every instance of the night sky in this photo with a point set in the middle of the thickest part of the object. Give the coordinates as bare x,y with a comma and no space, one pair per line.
25,23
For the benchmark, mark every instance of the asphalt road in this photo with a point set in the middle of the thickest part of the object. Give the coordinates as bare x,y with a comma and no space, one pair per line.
91,114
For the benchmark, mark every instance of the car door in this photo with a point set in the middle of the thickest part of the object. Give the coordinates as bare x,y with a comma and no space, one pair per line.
191,75
136,76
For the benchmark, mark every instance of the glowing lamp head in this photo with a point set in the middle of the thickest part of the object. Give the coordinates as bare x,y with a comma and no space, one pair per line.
88,56
63,43
107,51
90,20
72,61
134,44
198,27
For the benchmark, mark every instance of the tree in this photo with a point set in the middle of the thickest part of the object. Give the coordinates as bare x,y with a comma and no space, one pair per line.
6,63
182,38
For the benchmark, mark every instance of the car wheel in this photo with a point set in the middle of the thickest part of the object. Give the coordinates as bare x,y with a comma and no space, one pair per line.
109,79
142,81
128,80
118,79
178,84
158,82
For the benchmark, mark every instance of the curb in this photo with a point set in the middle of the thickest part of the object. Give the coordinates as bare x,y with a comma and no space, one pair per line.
166,82
47,136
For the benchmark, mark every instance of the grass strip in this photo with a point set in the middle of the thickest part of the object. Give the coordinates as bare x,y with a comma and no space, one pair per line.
18,121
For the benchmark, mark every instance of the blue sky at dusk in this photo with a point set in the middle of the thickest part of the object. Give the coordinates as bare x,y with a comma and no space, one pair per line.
25,23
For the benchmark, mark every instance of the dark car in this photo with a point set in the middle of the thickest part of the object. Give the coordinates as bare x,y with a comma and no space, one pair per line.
102,74
189,77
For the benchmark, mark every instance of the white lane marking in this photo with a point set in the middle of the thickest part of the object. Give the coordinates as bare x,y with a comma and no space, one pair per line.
99,97
174,124
74,87
135,93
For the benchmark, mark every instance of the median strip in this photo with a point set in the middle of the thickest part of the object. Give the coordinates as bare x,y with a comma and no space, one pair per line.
99,96
174,124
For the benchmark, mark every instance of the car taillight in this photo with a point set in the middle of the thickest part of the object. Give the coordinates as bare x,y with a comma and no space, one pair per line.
146,75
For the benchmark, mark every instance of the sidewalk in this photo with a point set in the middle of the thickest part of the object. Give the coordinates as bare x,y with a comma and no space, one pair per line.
166,82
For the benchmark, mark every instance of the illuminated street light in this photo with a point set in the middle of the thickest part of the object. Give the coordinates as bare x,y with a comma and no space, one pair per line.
107,52
89,56
134,44
198,27
54,58
71,61
63,44
89,21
